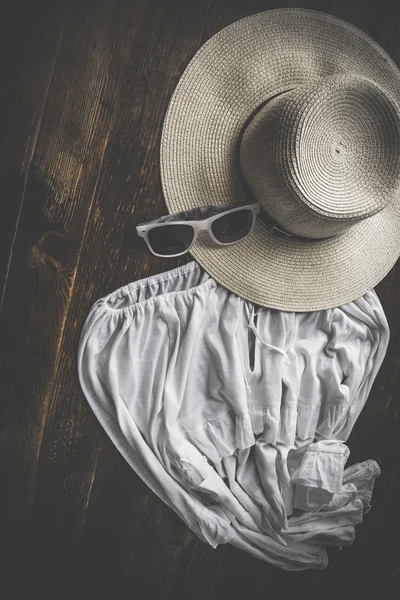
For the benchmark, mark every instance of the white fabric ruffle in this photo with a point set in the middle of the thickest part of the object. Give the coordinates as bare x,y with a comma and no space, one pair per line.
220,437
320,474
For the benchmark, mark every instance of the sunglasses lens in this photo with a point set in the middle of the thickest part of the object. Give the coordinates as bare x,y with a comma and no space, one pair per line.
232,227
170,239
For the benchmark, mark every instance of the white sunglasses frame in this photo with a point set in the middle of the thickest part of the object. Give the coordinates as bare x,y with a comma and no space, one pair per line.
198,225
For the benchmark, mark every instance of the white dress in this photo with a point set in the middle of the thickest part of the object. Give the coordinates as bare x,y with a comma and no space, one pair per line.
236,416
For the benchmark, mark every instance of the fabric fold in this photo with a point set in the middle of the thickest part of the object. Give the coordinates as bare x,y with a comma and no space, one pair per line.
221,437
265,420
320,474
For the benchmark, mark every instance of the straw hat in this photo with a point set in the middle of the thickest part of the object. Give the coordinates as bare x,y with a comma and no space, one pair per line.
300,111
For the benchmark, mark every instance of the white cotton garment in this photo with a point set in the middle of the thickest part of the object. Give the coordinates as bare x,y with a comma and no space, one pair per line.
236,416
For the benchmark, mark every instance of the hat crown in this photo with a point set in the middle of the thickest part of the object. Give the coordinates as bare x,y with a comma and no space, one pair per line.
321,157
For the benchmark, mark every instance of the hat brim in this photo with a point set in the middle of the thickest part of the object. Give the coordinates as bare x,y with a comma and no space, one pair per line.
233,73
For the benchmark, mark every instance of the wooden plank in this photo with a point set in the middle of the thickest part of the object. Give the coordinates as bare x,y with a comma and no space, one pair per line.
32,45
80,521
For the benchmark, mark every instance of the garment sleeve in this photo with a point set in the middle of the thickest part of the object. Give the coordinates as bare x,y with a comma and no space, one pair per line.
360,346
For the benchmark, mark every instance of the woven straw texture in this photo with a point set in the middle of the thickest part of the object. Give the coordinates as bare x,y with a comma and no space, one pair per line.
333,140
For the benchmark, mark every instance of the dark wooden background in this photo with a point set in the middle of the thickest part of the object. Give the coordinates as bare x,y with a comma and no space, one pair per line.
85,86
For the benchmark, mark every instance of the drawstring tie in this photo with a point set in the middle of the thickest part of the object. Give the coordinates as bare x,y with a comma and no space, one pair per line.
251,315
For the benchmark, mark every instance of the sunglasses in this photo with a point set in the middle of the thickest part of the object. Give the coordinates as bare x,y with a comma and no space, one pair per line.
174,235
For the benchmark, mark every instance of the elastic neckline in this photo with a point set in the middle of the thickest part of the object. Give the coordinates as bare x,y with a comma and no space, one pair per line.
140,284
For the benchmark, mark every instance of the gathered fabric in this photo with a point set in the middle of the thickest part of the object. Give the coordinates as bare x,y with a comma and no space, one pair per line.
236,415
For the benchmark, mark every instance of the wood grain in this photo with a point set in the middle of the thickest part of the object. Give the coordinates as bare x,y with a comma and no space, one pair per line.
88,86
